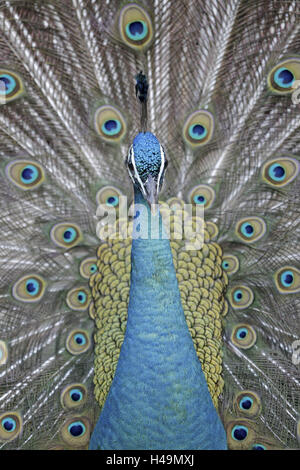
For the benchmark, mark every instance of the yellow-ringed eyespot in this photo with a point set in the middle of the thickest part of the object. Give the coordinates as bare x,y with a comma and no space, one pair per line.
283,76
11,86
110,124
76,431
243,336
74,396
250,229
240,434
198,128
78,342
66,235
287,280
78,298
29,288
230,264
135,26
202,195
280,171
10,426
248,402
240,297
25,174
88,267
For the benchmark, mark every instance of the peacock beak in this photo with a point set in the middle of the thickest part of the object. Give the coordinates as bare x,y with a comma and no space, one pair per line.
151,193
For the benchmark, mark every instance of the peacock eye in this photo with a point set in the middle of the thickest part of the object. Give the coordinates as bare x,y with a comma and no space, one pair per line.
93,268
111,127
230,264
87,267
241,297
242,333
251,229
287,280
10,426
78,342
136,30
11,85
258,447
248,403
73,396
110,124
66,235
243,336
239,433
29,288
109,196
112,201
78,298
283,76
76,431
202,195
69,235
135,26
281,171
198,128
197,131
25,174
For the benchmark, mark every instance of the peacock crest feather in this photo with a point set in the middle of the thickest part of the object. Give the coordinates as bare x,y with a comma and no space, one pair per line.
216,83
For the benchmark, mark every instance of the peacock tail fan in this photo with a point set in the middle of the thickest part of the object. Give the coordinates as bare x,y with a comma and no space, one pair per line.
223,101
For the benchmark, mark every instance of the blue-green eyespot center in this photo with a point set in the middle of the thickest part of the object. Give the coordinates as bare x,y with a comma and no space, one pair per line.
246,403
247,229
112,201
93,268
29,174
197,131
9,424
77,429
80,339
76,395
7,84
32,287
276,172
284,78
69,235
199,199
241,333
238,295
136,30
111,127
81,296
239,433
287,278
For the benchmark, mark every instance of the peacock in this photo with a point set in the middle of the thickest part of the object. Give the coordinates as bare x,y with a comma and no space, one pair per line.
149,224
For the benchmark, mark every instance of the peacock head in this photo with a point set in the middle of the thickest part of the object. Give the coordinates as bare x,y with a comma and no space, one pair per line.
146,163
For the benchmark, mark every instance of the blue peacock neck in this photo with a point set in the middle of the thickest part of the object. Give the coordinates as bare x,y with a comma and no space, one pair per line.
159,398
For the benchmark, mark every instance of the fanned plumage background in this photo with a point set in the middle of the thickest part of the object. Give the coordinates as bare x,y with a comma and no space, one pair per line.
208,55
